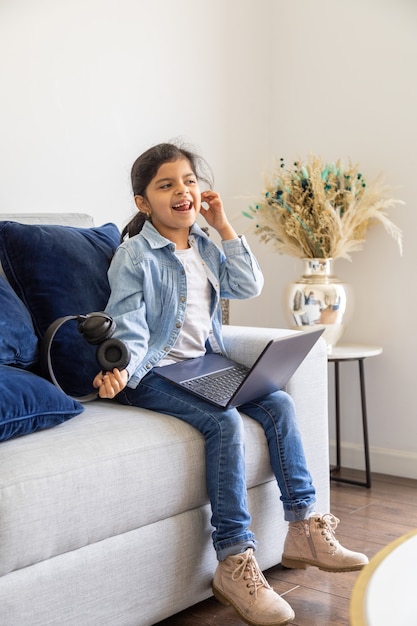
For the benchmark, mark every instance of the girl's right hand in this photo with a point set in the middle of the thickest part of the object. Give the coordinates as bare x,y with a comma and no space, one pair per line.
215,215
109,384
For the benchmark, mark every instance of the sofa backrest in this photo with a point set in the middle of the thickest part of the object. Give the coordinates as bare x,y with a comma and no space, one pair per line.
60,219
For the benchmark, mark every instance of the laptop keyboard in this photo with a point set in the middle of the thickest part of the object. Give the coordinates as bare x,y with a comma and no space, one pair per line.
219,386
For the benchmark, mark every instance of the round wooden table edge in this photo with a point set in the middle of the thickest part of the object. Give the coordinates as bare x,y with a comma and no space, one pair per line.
357,599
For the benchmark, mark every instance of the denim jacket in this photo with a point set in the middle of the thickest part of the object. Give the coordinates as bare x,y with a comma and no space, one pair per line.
149,292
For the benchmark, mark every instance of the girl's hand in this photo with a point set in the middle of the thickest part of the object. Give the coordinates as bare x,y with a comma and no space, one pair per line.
215,215
109,384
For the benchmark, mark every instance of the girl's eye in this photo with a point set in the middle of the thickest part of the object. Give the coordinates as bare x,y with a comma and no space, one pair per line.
191,181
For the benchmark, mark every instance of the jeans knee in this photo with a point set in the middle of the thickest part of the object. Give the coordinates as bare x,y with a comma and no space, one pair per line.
231,427
284,403
287,403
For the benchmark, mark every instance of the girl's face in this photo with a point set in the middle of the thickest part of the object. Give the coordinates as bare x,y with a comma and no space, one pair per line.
173,200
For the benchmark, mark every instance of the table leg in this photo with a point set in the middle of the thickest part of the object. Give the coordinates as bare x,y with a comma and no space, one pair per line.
337,467
365,423
337,411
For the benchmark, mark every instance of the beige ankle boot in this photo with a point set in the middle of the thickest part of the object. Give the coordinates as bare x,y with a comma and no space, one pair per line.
312,542
239,581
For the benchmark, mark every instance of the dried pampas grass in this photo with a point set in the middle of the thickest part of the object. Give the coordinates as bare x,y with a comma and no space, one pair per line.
321,210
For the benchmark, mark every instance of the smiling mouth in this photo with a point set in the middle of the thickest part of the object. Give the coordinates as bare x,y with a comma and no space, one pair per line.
183,206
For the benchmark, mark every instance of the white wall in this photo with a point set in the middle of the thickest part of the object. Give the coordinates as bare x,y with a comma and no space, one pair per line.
89,84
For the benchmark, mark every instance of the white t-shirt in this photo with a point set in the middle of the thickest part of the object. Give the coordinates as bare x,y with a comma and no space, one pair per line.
192,338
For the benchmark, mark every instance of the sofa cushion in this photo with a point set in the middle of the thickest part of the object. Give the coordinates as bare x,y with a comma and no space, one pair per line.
29,403
112,470
59,271
18,342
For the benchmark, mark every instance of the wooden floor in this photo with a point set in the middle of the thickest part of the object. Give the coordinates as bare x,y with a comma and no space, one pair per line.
369,520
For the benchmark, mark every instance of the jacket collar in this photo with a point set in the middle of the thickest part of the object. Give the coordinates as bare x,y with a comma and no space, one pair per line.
156,240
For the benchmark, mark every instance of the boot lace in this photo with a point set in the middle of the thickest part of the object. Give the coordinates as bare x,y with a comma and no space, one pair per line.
248,570
328,523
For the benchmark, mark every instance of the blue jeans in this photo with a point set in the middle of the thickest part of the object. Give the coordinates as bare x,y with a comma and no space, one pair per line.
225,455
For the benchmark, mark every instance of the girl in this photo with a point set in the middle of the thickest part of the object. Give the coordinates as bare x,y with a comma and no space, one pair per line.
166,282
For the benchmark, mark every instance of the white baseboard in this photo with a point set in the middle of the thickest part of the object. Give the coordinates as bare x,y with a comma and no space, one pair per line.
383,461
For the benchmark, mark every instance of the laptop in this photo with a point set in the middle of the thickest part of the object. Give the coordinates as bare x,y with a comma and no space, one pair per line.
227,384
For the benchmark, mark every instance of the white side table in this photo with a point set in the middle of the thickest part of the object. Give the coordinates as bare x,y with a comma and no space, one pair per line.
384,592
339,354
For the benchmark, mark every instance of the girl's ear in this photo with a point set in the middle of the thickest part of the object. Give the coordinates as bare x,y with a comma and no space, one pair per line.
142,204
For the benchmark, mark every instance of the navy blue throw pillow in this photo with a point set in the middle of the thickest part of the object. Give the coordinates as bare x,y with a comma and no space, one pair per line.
18,342
59,271
29,402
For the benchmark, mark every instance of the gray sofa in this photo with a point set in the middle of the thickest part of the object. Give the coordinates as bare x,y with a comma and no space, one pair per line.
104,519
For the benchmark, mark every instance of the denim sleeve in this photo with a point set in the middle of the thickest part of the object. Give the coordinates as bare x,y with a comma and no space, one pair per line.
240,274
127,307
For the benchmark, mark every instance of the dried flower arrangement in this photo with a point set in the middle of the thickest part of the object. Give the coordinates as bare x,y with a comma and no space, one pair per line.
321,210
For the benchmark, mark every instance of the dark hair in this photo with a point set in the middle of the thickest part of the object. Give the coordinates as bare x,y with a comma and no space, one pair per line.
145,167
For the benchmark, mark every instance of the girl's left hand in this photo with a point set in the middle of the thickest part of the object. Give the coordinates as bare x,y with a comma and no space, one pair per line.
215,214
109,384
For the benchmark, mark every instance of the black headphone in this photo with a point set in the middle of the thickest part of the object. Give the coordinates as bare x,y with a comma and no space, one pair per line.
97,329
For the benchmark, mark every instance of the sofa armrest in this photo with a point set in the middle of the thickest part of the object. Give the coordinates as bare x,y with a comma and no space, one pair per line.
245,343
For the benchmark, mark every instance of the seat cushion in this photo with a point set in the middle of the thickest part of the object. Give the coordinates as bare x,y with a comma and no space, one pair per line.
60,271
109,471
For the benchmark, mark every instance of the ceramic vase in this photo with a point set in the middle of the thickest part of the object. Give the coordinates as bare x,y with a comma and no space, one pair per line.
319,298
